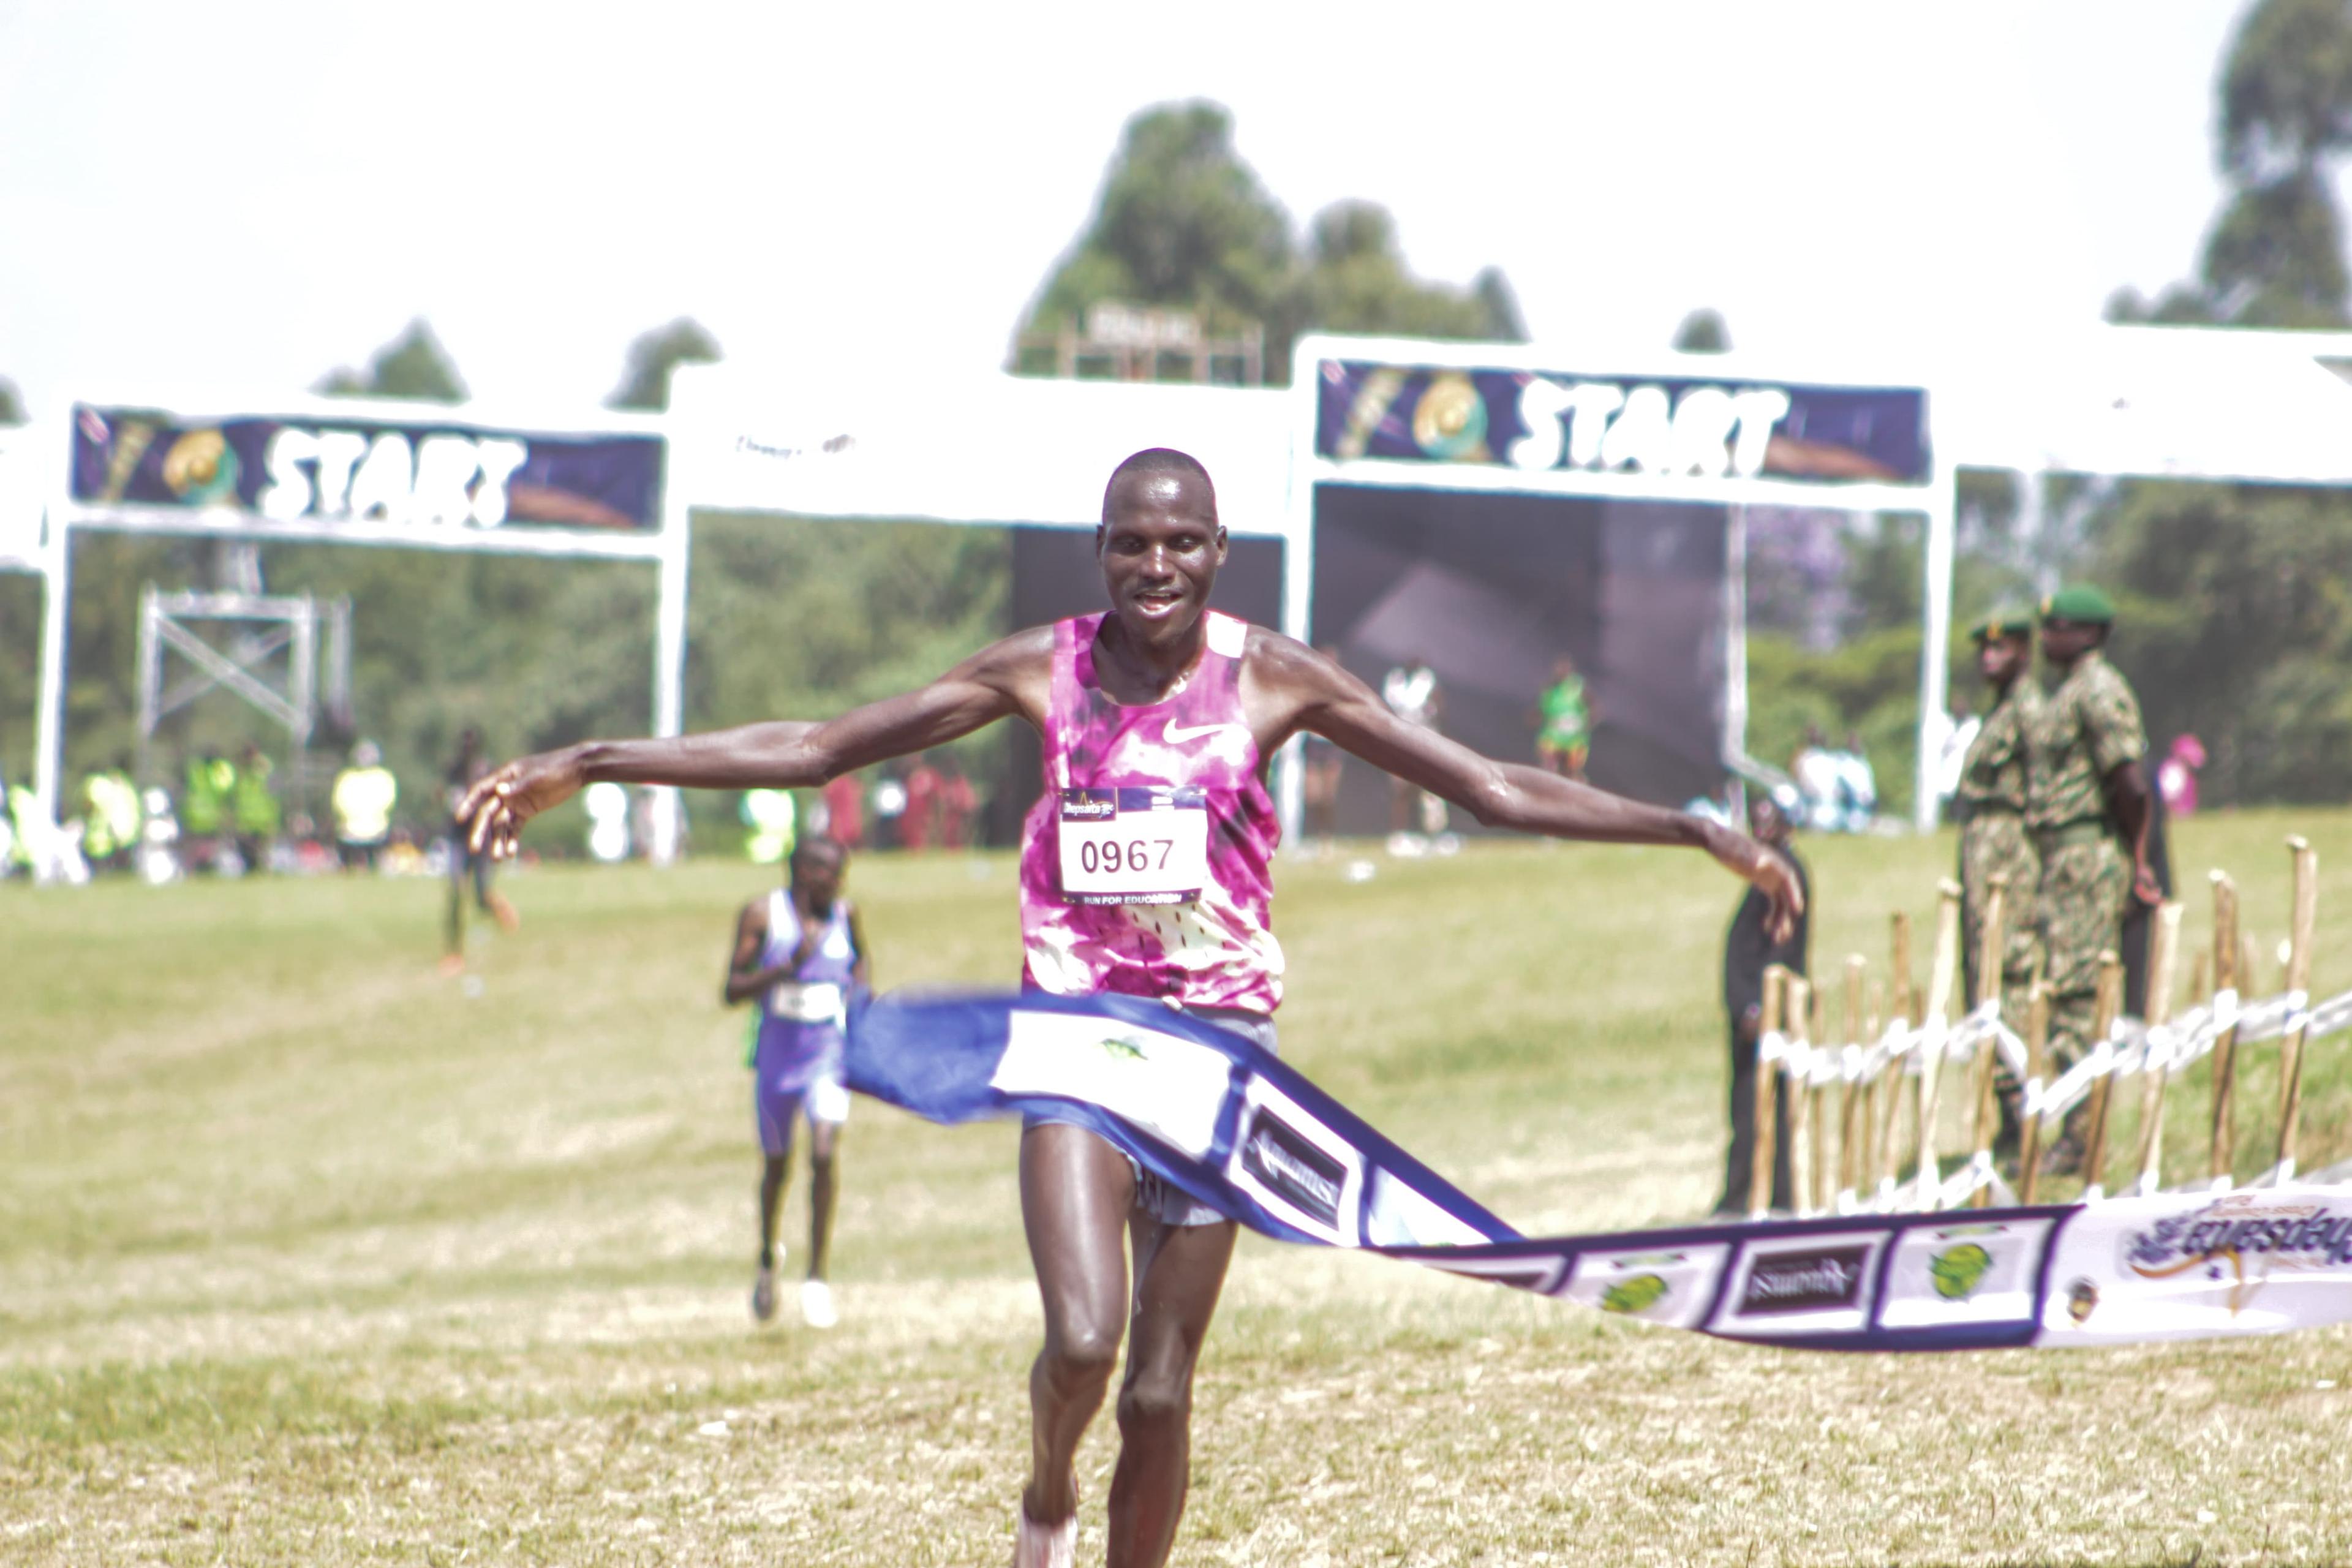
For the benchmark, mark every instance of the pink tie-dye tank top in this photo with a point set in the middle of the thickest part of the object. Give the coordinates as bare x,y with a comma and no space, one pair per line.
1137,782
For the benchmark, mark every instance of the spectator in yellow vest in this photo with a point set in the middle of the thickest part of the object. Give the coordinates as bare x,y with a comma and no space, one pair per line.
364,798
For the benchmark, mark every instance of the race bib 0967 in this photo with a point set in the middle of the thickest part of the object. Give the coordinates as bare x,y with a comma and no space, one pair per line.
1134,845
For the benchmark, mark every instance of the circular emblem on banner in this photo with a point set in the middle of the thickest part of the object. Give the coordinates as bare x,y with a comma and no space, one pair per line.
200,467
1450,420
2082,1298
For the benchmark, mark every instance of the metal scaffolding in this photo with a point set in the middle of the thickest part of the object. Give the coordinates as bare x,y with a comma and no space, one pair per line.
264,626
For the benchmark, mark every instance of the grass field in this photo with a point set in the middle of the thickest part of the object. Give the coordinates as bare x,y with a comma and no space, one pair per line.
307,1256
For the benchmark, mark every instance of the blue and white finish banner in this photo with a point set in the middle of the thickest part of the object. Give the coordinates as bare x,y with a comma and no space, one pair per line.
1210,1114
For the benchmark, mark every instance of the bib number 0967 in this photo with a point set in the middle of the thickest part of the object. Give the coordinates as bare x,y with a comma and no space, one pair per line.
1111,856
1133,846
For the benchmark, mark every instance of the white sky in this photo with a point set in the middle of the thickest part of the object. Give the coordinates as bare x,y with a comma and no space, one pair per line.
241,195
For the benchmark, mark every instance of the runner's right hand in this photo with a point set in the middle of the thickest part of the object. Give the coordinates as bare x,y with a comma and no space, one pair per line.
496,808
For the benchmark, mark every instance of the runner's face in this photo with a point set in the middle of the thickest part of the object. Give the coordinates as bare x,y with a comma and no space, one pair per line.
1160,553
817,879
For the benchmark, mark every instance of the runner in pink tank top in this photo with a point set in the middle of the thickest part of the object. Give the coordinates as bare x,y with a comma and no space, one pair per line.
1125,782
1143,870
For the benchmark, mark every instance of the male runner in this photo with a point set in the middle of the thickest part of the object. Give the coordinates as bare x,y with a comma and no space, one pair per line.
796,955
1166,705
466,863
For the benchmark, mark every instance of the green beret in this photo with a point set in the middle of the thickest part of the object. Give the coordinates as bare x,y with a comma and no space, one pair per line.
2008,621
2085,604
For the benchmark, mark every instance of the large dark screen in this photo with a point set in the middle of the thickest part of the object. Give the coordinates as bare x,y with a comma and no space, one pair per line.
1490,589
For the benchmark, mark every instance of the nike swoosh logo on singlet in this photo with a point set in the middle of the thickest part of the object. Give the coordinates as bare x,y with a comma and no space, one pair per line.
1178,735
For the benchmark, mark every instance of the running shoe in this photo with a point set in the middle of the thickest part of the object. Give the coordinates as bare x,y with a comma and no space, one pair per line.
763,1294
1036,1545
816,1304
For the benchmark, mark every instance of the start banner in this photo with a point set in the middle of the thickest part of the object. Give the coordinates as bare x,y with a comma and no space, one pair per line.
1536,420
321,468
1231,1125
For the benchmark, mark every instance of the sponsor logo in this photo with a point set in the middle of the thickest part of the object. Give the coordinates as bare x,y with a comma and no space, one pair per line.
2218,1242
1182,734
1302,1174
1089,804
1123,1050
1958,1270
2082,1297
1804,1282
1638,1294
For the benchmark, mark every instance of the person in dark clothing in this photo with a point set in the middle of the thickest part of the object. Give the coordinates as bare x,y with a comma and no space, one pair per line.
2137,911
469,864
1748,951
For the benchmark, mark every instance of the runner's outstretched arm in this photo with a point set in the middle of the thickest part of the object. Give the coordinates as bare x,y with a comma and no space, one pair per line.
778,755
1343,709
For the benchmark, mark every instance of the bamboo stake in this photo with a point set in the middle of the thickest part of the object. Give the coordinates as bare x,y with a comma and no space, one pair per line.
1940,972
1850,1091
2103,1023
2298,987
1764,1146
2221,1156
1804,1140
1982,1119
2164,947
1874,1090
1905,1005
2037,1063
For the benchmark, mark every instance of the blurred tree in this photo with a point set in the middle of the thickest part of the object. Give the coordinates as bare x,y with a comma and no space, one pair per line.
2274,255
2235,626
12,403
1703,331
1182,222
654,356
1356,281
412,366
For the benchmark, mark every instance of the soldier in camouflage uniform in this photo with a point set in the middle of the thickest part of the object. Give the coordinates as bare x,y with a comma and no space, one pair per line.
1994,784
2088,811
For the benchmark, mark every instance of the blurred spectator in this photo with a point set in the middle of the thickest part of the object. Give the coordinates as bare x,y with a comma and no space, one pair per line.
608,820
362,799
203,809
466,862
1952,751
252,809
845,810
1857,786
889,807
2176,776
1564,716
918,826
1839,789
111,800
1748,951
959,803
1414,694
773,819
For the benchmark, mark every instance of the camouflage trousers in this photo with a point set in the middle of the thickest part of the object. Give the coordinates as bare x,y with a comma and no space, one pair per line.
1997,845
2080,912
